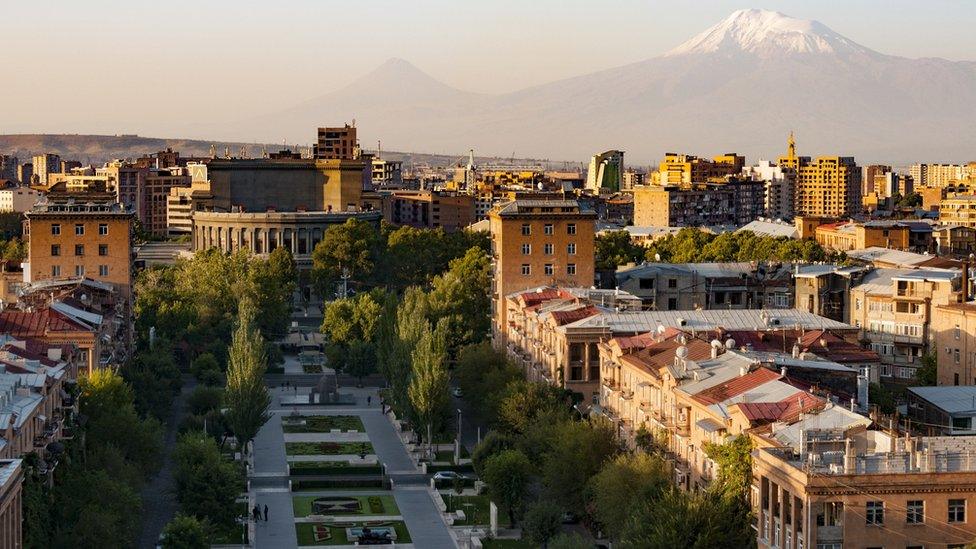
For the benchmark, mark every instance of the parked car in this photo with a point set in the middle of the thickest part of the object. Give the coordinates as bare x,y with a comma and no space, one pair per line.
570,517
448,475
456,391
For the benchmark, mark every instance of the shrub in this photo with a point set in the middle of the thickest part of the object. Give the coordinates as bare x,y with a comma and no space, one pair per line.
375,505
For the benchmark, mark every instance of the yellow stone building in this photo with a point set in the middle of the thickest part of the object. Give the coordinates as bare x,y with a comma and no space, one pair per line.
958,210
827,186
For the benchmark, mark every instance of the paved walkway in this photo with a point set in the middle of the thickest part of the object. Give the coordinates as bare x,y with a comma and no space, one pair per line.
159,504
269,486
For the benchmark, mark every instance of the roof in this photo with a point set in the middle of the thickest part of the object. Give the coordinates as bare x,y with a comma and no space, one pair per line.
770,228
876,254
952,399
879,281
36,323
814,270
831,417
736,386
565,317
635,322
783,410
662,353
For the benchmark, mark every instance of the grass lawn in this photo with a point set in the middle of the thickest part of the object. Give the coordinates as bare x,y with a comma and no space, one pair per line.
387,505
475,514
322,424
504,544
306,536
327,448
447,456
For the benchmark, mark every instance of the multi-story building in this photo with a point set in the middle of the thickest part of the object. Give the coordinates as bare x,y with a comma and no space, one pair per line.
958,209
834,482
606,172
954,328
157,184
80,236
633,178
11,506
387,173
44,164
336,144
18,198
179,211
25,173
8,167
450,211
689,286
685,169
780,188
849,235
128,182
733,202
827,186
825,290
945,410
940,175
896,311
954,240
536,243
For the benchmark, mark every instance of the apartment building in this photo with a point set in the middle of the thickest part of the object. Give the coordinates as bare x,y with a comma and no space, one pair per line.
11,506
450,211
731,202
780,188
387,173
688,286
154,198
44,165
536,243
825,186
941,175
80,236
896,310
8,167
678,169
606,172
834,482
849,235
336,144
19,198
954,240
825,289
959,209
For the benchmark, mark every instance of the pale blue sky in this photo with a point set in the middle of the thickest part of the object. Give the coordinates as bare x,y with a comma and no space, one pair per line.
109,66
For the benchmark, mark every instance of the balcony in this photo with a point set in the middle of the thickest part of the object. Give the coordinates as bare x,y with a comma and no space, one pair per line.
611,384
627,394
649,408
909,339
830,534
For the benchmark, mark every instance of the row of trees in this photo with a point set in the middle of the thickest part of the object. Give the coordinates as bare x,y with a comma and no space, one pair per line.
691,245
542,450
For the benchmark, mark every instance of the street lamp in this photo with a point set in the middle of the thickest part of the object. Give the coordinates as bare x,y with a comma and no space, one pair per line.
457,443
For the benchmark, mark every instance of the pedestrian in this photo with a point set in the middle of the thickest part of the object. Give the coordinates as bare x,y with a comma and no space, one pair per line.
265,513
256,513
369,400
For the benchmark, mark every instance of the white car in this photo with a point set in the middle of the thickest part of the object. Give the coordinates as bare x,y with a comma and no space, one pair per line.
448,475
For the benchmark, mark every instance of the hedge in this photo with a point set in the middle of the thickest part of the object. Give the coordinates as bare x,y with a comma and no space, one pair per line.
337,483
341,469
466,468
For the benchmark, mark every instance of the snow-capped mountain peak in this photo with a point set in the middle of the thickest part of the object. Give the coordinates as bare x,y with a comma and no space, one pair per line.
768,33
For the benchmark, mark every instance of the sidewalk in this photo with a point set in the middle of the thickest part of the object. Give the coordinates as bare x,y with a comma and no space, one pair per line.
271,485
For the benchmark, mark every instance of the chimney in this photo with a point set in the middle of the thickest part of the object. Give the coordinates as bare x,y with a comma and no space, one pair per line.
714,352
862,390
743,370
803,446
796,350
849,459
782,371
965,281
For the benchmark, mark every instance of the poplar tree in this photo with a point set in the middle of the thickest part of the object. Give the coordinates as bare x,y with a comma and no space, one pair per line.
246,396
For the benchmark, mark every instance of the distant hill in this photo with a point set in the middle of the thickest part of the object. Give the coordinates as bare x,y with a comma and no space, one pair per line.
97,149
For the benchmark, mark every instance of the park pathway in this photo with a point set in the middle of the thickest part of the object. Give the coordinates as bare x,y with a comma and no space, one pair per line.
269,483
159,504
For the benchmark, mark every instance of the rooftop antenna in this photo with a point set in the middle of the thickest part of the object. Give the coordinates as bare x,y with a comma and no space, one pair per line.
379,149
213,151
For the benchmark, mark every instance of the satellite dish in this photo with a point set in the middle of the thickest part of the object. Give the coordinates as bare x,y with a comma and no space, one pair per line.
730,343
657,257
661,329
681,352
717,344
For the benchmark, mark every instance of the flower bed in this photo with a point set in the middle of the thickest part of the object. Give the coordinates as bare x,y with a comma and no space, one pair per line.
327,448
316,533
310,468
321,424
319,484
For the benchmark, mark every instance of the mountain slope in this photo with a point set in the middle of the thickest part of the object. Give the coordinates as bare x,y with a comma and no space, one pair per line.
740,85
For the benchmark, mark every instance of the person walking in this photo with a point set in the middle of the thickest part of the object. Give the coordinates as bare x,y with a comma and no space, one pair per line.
369,400
265,513
256,513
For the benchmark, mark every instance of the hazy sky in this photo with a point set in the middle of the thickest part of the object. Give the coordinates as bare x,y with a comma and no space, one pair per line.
155,67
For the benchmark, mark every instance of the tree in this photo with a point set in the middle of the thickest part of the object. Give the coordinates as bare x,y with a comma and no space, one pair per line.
107,516
485,371
615,248
492,444
206,484
681,520
734,460
246,396
543,521
428,388
352,319
570,541
622,484
578,452
928,374
460,299
206,369
524,401
274,282
350,248
507,477
204,399
360,358
186,532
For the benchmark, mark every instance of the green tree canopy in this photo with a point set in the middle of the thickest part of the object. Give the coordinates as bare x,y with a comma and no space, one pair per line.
622,484
615,248
186,532
508,475
246,396
543,520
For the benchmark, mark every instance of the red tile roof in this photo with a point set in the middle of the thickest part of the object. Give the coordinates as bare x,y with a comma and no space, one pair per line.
662,353
736,386
784,410
22,324
532,299
565,317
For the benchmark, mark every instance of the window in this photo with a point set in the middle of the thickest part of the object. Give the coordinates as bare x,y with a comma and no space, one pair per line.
55,270
526,249
79,249
571,228
526,229
549,270
547,228
672,283
547,248
672,303
526,270
103,249
103,270
79,229
571,269
103,229
957,331
79,270
571,248
55,250
957,510
915,511
874,513
55,228
955,356
646,283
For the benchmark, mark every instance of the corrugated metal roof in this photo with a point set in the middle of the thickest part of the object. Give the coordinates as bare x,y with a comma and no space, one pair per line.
952,399
729,319
736,386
